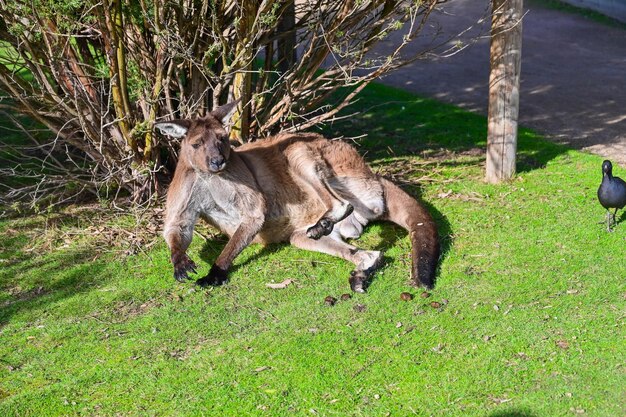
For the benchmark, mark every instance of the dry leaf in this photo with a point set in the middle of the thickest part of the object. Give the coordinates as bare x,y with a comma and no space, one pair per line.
444,195
499,400
439,348
280,285
563,344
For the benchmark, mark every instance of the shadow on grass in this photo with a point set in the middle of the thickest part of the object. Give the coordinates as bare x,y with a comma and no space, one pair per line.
35,249
398,124
212,248
58,277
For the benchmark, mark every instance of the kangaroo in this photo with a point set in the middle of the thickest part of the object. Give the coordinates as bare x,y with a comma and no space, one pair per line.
299,188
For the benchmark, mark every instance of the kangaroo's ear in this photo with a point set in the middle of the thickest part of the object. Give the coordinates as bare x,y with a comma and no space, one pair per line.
225,112
175,128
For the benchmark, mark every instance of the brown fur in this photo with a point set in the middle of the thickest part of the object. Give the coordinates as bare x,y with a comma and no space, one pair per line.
298,188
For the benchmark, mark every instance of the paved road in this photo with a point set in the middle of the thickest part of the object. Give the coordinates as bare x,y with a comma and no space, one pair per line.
573,83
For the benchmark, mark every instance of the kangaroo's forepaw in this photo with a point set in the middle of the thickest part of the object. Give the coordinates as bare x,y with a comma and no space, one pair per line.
216,277
322,228
182,265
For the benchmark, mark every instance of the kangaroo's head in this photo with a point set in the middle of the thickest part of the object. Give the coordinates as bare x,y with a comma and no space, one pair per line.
205,144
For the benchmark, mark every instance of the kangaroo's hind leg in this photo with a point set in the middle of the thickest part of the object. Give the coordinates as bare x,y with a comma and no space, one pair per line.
315,175
366,196
366,261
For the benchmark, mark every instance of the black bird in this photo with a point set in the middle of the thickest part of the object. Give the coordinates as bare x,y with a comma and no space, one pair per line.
612,193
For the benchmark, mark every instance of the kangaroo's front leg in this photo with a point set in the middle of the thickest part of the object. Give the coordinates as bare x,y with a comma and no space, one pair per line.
242,237
324,226
178,235
181,216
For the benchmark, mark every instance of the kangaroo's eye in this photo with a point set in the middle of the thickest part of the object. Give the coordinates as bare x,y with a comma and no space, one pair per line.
195,145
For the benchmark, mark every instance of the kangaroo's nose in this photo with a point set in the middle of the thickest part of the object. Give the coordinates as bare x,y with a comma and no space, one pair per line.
217,163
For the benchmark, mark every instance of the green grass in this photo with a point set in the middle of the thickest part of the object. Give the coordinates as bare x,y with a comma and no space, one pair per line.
581,11
531,299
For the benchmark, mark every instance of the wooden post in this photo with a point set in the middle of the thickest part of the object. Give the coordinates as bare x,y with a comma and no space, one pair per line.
505,62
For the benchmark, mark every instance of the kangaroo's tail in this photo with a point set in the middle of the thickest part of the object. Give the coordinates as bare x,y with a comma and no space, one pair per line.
405,211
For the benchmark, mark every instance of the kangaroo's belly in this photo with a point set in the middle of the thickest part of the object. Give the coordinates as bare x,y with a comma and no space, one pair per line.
281,221
274,231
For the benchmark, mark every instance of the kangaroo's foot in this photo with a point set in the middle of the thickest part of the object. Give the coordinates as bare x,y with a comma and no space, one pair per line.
368,263
216,277
358,281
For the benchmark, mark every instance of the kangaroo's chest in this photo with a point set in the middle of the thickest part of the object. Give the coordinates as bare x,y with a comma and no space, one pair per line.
219,203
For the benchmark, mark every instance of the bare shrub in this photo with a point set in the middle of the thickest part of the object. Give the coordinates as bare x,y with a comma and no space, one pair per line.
98,74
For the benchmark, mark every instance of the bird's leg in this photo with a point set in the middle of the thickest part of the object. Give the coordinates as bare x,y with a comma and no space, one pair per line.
608,220
615,218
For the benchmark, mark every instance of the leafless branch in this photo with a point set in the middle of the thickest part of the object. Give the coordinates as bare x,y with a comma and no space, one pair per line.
97,74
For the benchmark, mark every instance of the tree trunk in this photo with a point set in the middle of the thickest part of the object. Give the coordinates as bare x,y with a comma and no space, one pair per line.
505,62
287,40
242,83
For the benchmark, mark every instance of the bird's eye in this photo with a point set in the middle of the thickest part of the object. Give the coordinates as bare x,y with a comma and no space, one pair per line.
195,145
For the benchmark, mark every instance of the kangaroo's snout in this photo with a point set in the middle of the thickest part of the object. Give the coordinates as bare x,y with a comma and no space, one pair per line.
217,163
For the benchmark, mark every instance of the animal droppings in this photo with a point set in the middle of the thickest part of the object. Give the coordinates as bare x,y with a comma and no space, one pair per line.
345,297
406,296
359,308
330,301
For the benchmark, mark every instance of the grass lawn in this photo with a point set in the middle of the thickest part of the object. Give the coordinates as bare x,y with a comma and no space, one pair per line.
581,11
527,318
